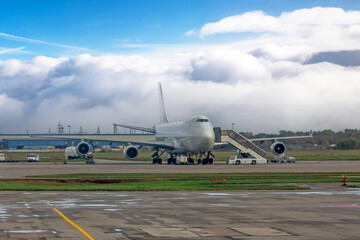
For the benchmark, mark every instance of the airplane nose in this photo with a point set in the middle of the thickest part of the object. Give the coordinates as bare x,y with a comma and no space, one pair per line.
209,139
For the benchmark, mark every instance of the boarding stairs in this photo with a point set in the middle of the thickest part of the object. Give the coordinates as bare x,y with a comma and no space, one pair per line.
242,143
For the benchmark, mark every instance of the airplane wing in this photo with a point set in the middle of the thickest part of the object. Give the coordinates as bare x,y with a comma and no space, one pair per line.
280,138
154,144
277,138
220,145
150,130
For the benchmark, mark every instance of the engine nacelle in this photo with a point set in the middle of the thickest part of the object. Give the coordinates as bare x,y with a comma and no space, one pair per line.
131,152
84,149
278,148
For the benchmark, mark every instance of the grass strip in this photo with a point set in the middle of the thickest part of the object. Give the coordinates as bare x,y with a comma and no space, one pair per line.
171,182
135,186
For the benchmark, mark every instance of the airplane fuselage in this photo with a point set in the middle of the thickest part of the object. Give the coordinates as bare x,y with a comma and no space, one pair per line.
192,136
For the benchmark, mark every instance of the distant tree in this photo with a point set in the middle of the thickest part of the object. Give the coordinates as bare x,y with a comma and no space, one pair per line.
328,132
249,134
282,133
348,143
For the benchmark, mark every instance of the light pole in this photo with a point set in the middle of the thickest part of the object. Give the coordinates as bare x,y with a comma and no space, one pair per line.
233,126
69,128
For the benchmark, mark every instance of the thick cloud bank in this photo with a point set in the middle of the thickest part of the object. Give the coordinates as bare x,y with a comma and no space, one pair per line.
260,85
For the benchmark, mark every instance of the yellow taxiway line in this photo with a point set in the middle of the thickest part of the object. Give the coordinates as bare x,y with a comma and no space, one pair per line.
71,222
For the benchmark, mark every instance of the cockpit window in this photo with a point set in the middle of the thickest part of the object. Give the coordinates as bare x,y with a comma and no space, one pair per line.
202,120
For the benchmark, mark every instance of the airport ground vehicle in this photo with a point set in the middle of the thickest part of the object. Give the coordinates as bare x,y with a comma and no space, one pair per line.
283,159
181,160
33,157
70,153
2,157
82,150
237,161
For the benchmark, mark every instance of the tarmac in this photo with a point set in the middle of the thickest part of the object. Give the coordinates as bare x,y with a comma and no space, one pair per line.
327,211
24,169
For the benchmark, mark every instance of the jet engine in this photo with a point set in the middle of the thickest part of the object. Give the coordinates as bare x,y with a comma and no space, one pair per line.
278,148
84,149
131,152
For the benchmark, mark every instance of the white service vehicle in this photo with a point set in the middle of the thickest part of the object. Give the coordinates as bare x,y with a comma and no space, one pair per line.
33,157
283,159
82,150
2,157
70,153
237,161
181,160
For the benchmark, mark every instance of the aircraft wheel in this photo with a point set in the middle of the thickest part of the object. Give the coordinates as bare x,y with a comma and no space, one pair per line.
204,161
199,161
211,160
169,161
237,162
253,162
159,161
154,161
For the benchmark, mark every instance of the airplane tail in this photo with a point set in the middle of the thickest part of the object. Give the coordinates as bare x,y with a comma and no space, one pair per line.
163,117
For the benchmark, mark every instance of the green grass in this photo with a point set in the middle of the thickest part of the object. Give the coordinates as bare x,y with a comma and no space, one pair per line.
172,182
325,154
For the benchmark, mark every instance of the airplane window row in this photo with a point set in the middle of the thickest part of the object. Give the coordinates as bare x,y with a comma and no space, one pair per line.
202,120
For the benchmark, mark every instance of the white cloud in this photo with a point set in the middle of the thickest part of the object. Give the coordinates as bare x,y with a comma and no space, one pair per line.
11,112
191,32
302,22
256,21
256,94
297,34
265,83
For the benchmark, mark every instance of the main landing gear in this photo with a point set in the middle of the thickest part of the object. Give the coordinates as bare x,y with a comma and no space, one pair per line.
90,160
156,157
172,159
206,158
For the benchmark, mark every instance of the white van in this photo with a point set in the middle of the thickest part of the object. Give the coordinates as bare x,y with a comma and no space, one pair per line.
33,157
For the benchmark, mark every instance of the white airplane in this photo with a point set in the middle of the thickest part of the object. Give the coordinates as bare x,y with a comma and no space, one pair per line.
194,136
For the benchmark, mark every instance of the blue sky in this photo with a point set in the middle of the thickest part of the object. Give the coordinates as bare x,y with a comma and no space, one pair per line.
111,26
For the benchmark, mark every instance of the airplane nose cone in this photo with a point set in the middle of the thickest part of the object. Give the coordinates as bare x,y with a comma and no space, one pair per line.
209,140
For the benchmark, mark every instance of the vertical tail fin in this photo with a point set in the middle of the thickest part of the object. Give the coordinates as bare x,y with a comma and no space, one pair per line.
163,117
